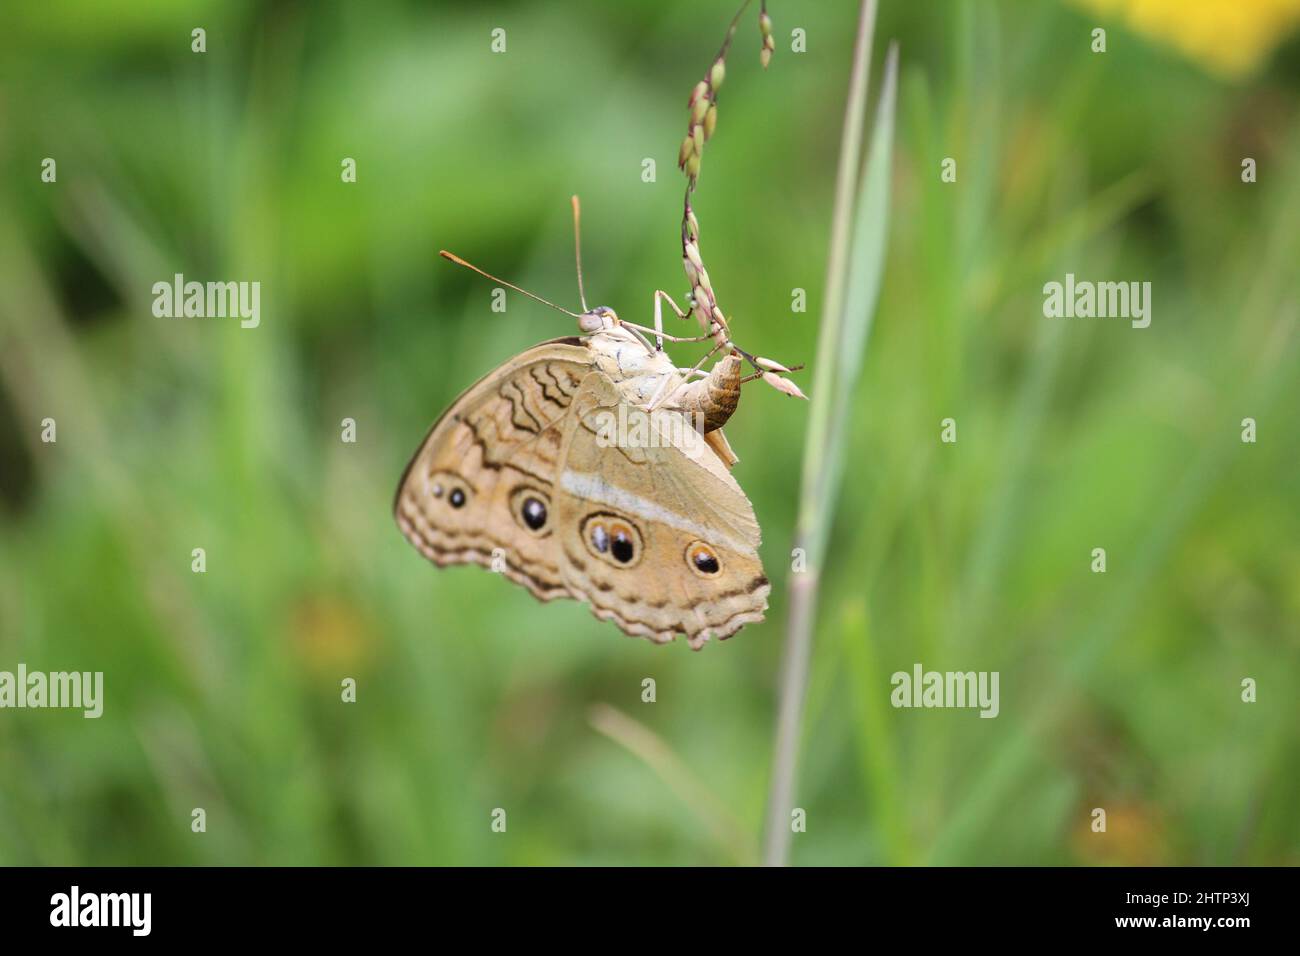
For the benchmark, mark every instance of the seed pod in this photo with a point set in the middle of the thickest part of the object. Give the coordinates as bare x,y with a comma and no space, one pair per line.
717,75
683,154
710,121
783,385
697,131
702,309
703,306
693,253
701,88
693,166
770,365
702,106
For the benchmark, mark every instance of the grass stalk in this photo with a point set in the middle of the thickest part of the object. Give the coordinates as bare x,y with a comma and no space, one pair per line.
852,285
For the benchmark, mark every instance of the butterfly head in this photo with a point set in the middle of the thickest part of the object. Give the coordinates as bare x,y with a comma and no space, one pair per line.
598,319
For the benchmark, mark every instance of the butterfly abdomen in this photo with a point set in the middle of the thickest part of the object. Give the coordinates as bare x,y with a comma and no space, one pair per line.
714,398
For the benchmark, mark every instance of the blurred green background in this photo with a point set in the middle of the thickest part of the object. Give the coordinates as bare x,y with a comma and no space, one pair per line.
1119,690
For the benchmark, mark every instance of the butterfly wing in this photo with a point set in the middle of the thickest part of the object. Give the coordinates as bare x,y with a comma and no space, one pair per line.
479,489
688,559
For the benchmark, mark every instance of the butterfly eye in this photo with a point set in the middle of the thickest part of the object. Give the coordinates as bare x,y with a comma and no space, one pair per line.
457,498
531,508
612,539
703,559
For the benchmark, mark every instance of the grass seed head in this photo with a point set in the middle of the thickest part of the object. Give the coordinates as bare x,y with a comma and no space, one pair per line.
702,123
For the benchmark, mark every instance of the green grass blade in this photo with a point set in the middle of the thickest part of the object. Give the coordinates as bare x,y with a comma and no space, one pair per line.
852,287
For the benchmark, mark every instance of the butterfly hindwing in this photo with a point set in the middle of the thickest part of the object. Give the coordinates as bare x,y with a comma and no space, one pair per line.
656,534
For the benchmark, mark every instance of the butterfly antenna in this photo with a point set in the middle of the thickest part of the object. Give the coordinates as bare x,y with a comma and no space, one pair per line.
509,285
577,249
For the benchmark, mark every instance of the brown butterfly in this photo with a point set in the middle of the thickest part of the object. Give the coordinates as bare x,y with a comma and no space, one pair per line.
591,467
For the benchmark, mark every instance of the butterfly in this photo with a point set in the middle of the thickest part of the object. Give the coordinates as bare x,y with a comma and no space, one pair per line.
591,467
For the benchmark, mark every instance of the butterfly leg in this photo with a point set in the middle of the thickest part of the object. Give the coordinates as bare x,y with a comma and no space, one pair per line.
637,330
661,392
689,372
658,396
659,320
658,331
664,335
660,297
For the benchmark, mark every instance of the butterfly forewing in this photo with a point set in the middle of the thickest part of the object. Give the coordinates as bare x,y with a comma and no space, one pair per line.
479,489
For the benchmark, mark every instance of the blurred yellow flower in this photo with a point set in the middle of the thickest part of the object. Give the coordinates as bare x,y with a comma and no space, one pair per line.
1227,37
330,636
1135,836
